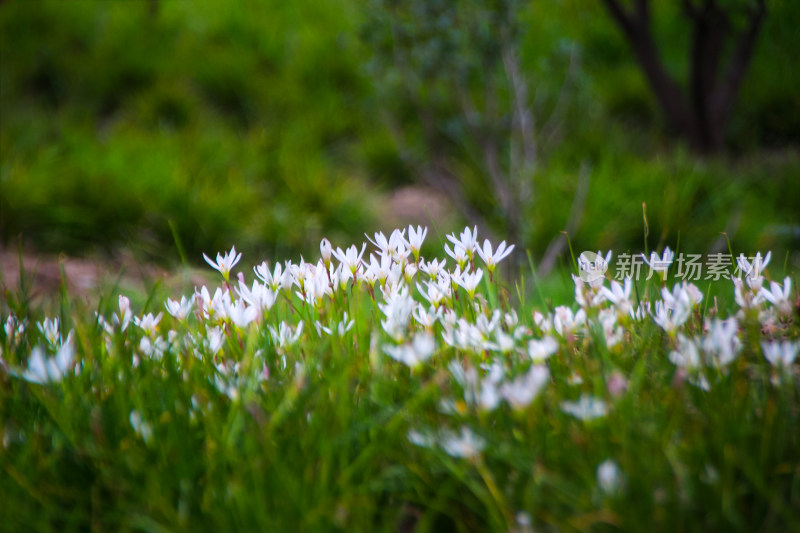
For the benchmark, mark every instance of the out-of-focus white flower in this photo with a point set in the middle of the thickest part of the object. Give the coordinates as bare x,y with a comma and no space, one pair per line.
620,296
779,296
609,477
492,258
260,296
426,318
43,369
142,428
215,338
465,444
683,294
482,393
51,331
285,336
566,322
153,348
587,295
415,353
721,342
612,333
586,408
179,310
424,440
522,391
687,355
754,270
781,354
241,314
593,267
224,263
539,350
125,314
670,319
338,328
661,263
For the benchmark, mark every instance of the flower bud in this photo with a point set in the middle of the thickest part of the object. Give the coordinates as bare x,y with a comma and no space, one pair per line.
326,250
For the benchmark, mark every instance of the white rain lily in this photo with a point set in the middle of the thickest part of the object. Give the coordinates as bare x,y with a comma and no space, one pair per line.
687,355
415,353
142,428
683,294
51,331
468,240
609,477
215,338
465,444
426,318
125,314
748,298
660,263
469,281
148,323
351,258
781,354
670,319
586,408
285,336
754,269
433,268
779,296
539,350
482,393
338,328
522,391
458,253
611,331
416,236
42,369
325,251
224,263
587,295
241,314
593,267
566,322
259,296
492,258
179,310
620,296
721,342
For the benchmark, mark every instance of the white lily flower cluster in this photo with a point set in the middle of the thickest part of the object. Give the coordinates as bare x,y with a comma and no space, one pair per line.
429,317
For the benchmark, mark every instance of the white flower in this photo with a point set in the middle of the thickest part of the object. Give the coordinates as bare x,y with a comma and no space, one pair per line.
415,239
521,392
721,343
751,298
593,267
215,338
50,330
458,253
660,263
351,258
586,408
779,296
426,318
179,310
285,336
414,354
224,263
684,294
780,354
325,250
148,323
620,296
125,313
492,258
340,328
539,350
260,296
43,369
687,355
466,444
565,322
469,281
140,426
240,313
468,240
754,270
670,319
609,477
433,268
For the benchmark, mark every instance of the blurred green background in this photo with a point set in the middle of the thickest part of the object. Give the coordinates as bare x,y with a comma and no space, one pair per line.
269,125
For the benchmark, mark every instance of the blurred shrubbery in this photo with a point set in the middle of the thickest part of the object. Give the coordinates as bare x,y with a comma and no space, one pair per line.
264,125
